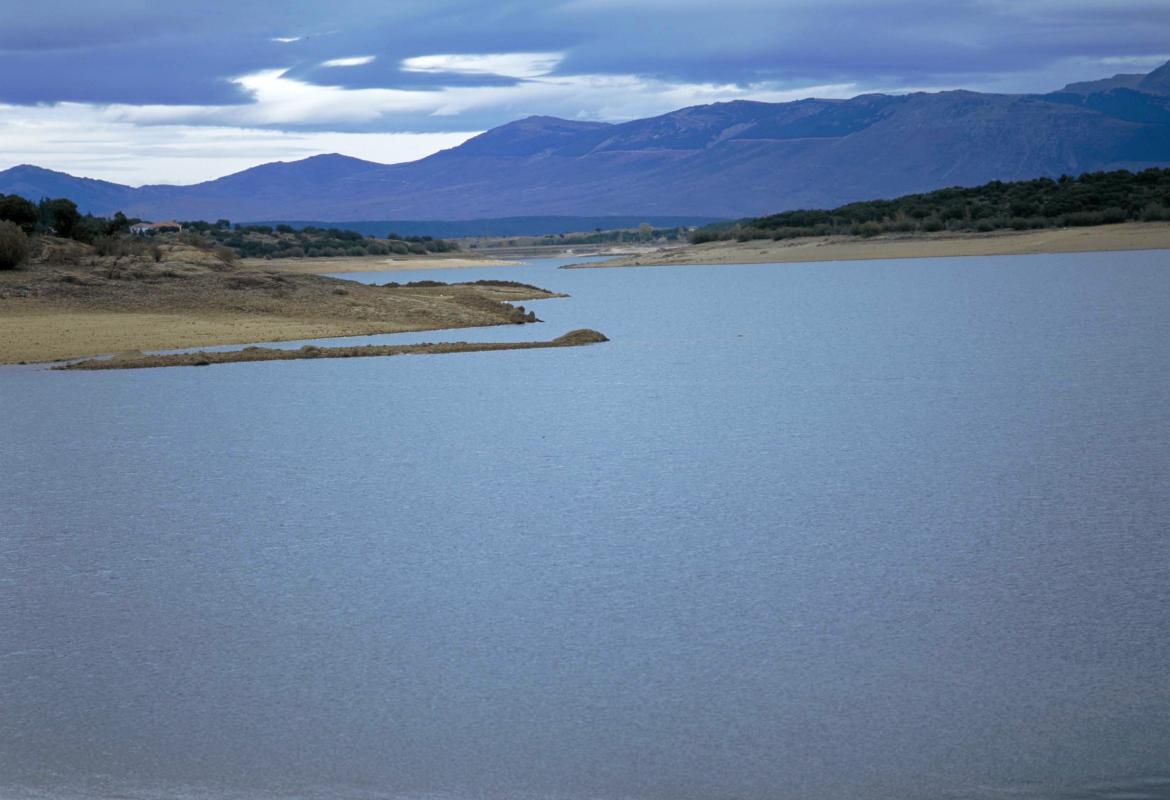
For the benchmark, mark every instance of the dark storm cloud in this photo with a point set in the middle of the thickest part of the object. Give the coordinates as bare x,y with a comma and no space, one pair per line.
162,52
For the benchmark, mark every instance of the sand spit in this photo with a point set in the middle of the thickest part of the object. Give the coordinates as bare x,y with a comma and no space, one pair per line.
576,338
70,303
1127,236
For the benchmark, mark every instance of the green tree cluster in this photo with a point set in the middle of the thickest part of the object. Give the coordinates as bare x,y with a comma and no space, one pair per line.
1097,198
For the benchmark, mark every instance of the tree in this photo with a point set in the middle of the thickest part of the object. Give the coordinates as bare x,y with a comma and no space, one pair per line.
13,245
119,223
16,209
60,216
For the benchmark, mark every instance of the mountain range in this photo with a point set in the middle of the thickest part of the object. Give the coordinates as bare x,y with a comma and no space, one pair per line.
723,160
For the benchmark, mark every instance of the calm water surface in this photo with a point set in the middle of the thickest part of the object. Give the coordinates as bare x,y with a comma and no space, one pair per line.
857,530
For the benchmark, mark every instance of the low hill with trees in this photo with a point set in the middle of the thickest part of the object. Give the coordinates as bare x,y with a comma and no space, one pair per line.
60,217
285,241
1097,198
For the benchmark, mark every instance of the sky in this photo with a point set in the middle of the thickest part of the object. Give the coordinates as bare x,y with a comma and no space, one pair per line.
155,91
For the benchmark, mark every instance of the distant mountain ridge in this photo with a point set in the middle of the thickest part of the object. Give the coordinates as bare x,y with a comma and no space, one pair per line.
724,160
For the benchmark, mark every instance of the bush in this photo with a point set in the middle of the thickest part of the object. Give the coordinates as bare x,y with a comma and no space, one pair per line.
13,245
1155,213
193,239
15,208
225,254
701,236
109,246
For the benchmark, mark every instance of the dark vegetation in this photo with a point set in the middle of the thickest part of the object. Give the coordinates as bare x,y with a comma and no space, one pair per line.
285,241
112,236
13,245
642,234
1097,198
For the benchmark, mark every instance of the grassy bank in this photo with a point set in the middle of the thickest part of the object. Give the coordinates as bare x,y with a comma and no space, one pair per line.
69,302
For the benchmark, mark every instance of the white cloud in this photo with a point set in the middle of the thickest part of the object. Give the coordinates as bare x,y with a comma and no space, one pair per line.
509,65
1136,63
281,100
185,144
352,61
287,39
97,142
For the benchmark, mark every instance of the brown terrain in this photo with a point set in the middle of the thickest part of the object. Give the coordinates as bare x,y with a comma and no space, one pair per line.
138,360
1127,236
69,302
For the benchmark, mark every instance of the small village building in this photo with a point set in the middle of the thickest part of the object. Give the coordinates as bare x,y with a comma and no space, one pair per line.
151,228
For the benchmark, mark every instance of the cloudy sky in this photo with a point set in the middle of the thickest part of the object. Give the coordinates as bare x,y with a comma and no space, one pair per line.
152,91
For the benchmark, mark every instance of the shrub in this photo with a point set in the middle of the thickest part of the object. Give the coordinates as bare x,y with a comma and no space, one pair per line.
13,245
15,208
1155,213
109,246
194,240
225,254
701,236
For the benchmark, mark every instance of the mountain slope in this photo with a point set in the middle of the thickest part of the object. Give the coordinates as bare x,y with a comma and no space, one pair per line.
36,182
723,160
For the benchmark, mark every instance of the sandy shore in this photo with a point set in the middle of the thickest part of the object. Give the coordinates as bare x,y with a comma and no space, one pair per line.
1129,236
329,266
71,303
53,335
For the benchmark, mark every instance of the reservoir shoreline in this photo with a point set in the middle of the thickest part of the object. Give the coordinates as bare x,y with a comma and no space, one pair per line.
1104,238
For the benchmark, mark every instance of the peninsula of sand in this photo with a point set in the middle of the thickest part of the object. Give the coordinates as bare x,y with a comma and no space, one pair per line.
68,302
1126,236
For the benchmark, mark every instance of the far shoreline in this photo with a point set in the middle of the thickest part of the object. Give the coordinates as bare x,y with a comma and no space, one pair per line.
1104,238
345,264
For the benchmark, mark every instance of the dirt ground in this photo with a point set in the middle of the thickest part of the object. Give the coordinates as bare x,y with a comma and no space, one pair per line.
1128,236
69,303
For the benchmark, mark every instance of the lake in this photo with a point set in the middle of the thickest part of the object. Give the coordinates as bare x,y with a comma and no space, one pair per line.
889,529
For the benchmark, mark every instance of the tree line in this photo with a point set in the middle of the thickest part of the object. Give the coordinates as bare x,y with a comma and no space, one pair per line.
21,219
285,241
1096,198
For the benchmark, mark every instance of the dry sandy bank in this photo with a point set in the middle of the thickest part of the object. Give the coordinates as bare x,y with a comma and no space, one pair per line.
70,303
137,360
1128,236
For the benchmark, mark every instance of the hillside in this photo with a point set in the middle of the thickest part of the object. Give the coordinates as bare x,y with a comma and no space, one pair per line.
724,160
1099,198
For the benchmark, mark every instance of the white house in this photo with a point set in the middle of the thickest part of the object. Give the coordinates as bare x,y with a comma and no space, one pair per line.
151,228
